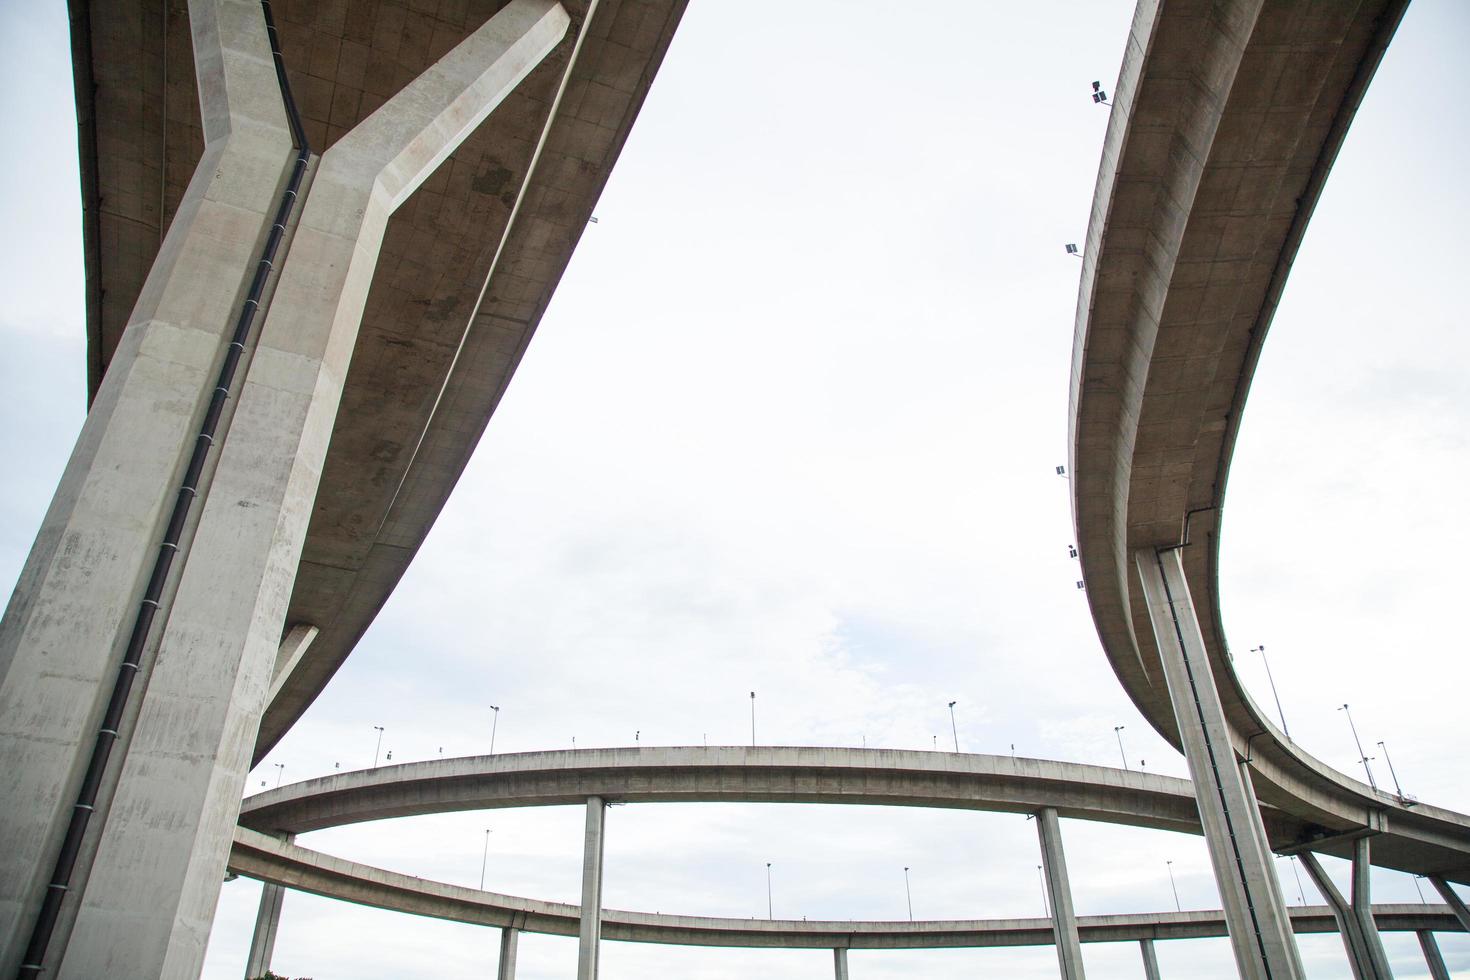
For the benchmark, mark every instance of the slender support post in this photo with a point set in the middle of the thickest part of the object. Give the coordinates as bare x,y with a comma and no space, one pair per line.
839,962
1363,909
1260,931
267,921
1453,900
1432,957
509,940
1150,959
1059,894
590,935
293,650
1360,958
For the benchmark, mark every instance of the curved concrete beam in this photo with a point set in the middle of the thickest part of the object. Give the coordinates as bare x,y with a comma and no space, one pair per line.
1216,153
734,774
269,859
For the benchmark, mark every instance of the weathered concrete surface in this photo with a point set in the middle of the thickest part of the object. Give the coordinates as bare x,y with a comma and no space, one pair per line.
267,924
589,930
734,774
268,858
510,940
168,832
1227,119
467,265
1260,933
1059,894
64,630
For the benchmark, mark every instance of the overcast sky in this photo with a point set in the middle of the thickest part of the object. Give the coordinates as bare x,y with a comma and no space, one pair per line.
791,425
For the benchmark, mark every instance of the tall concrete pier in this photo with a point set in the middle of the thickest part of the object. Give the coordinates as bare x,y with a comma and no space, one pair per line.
162,611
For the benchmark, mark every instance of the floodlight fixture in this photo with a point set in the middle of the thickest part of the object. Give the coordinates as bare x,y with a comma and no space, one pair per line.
1072,250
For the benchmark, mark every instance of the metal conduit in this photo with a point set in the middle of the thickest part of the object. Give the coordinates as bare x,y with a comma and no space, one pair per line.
33,963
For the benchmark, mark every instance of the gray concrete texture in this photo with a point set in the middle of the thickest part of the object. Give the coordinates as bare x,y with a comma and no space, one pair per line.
465,269
1260,931
1226,121
267,858
71,613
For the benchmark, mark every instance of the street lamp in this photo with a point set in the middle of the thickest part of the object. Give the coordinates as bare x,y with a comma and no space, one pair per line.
484,858
1118,731
280,771
1281,714
1397,788
1362,756
1177,906
907,893
494,724
1045,902
952,727
770,909
380,745
752,719
1301,895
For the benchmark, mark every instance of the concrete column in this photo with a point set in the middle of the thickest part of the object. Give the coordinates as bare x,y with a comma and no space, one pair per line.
509,940
590,935
73,608
267,921
1363,909
178,787
1435,962
1260,931
1453,900
1150,959
1359,953
1059,894
839,963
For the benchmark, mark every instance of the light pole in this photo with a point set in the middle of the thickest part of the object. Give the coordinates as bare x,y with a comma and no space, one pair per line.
280,771
1301,895
1177,906
1281,714
752,719
1118,731
494,724
380,745
907,893
770,908
955,731
484,858
1362,756
1396,787
1045,902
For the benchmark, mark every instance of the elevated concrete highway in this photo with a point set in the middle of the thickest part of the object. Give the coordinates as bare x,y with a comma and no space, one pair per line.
271,860
728,774
1227,120
265,848
467,267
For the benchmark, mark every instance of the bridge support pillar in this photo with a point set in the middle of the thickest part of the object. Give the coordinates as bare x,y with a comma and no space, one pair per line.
1453,900
1059,894
589,939
839,963
509,941
267,921
1432,957
123,773
1260,931
1150,959
1365,953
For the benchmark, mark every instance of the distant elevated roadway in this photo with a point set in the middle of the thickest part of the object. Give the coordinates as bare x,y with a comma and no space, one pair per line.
736,774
